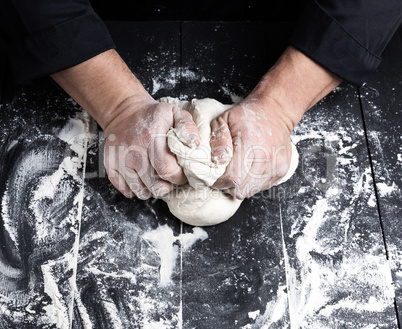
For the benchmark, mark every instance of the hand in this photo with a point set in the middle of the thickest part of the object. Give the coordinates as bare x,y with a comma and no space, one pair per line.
259,138
137,158
257,131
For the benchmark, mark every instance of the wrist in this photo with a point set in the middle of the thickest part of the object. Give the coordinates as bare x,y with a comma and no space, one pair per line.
102,85
112,120
294,84
121,109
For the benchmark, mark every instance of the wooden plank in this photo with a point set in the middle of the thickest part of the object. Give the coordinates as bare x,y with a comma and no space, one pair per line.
381,100
308,254
129,273
235,278
337,272
42,151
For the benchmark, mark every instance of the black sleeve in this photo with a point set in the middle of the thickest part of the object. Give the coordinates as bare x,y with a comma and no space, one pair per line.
41,37
347,36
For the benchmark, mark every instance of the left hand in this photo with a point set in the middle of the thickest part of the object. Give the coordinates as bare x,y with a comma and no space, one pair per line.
258,134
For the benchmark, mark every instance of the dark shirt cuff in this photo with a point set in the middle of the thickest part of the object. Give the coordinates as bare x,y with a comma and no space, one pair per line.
58,47
323,39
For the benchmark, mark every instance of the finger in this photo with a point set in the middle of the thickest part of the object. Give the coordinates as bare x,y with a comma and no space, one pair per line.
287,167
221,141
232,192
258,174
250,186
111,164
126,180
136,167
235,171
260,171
186,129
263,174
167,168
119,183
165,163
253,183
160,188
157,186
135,184
244,193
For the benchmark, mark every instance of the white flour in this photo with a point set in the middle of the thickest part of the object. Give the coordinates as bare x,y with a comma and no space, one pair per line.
336,262
162,240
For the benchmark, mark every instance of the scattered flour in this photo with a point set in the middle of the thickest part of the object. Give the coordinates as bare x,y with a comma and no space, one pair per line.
253,315
163,242
276,312
337,270
60,310
385,189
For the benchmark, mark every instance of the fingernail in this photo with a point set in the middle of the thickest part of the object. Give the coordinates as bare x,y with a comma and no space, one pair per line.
222,155
193,140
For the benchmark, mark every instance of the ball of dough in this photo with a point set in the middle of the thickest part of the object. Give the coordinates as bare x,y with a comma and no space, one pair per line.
201,207
196,203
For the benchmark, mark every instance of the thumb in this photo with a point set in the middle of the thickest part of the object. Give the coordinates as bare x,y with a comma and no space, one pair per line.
221,141
186,129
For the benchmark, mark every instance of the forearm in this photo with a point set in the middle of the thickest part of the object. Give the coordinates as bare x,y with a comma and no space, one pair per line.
295,83
100,85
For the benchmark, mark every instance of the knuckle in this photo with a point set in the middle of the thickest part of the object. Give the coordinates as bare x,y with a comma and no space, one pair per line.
220,132
159,189
146,136
139,190
239,194
168,171
143,194
163,110
234,180
115,178
282,170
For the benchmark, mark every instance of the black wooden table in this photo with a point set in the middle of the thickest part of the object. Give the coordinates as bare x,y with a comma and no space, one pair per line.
321,251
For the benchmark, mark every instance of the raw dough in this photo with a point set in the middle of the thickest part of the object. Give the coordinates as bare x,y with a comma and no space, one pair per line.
196,203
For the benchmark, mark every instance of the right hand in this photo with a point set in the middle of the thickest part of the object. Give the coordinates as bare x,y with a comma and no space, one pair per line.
137,159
